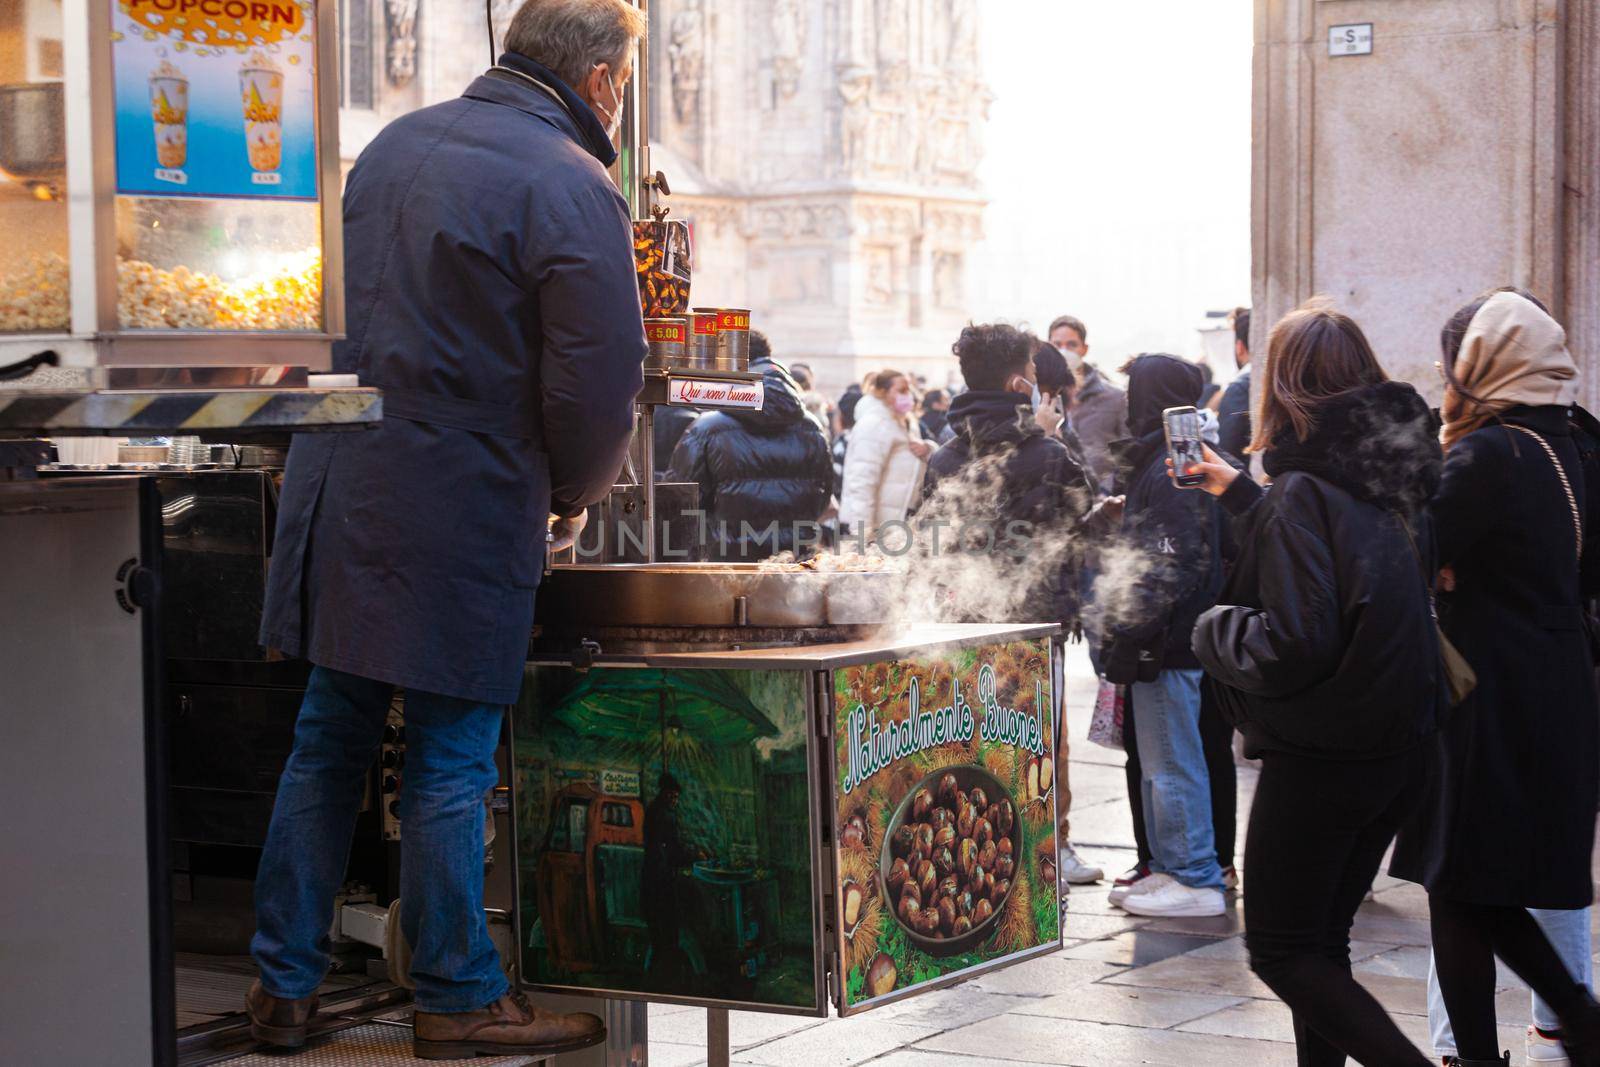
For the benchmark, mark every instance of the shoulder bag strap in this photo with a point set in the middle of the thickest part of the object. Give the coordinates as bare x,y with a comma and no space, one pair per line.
1566,486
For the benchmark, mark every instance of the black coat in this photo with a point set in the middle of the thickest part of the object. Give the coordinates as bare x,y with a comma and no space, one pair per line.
1033,482
1322,642
1511,817
670,423
758,468
490,289
1233,415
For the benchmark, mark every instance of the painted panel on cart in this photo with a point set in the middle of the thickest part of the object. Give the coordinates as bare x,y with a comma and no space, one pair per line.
945,802
664,843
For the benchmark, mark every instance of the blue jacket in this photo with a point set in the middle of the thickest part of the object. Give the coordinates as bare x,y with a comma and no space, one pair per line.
490,292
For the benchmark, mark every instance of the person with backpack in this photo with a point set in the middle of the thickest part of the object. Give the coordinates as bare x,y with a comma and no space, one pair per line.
1322,651
1509,823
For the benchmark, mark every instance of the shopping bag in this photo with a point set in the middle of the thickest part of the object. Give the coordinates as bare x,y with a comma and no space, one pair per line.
1105,728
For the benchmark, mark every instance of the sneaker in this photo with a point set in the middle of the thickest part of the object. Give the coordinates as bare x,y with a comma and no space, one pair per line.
1076,872
1230,879
1132,875
1545,1047
1147,884
1175,900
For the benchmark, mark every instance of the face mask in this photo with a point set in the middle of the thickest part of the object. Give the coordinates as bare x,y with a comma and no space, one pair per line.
614,123
1074,360
1037,400
903,403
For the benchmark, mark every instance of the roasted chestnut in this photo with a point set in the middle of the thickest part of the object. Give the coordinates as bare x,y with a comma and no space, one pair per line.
852,836
944,837
926,922
1002,889
911,891
903,841
899,874
921,804
854,898
966,857
982,832
924,840
1004,866
962,925
948,789
1005,818
927,878
1047,870
1003,845
939,818
910,908
965,820
988,885
943,861
982,912
948,887
947,914
978,882
881,975
978,798
986,855
964,903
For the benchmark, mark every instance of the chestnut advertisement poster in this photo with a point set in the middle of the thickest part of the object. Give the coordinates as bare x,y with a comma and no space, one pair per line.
664,838
945,815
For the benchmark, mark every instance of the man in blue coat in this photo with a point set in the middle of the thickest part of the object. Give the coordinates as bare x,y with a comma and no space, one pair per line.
491,295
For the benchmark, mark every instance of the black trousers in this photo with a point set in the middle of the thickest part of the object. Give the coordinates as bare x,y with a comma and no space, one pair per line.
1216,738
1318,832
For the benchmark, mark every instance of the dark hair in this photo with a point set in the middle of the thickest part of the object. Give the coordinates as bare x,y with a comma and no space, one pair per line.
668,784
1241,327
1050,367
847,405
991,353
880,382
760,347
802,373
1455,330
932,397
1071,321
1314,354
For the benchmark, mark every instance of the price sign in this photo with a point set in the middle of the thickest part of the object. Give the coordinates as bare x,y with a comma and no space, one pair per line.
1354,39
715,393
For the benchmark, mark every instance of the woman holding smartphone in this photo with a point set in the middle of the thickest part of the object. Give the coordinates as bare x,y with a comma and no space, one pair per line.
1323,652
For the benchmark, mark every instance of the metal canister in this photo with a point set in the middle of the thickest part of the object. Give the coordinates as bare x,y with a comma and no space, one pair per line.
668,339
704,341
733,337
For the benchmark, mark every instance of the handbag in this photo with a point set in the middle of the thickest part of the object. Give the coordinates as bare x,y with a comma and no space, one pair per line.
1459,677
1110,707
1591,629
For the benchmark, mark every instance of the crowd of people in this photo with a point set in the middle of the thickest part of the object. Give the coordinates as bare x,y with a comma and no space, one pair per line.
1391,613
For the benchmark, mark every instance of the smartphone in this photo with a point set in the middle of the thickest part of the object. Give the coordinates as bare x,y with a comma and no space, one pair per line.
1182,427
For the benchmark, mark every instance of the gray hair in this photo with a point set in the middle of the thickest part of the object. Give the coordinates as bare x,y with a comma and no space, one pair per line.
571,36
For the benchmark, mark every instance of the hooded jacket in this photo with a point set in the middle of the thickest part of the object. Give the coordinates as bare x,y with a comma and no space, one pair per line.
1323,643
757,468
1099,417
1174,536
1039,484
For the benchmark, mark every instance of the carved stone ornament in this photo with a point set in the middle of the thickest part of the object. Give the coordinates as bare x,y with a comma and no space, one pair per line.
788,45
401,19
686,53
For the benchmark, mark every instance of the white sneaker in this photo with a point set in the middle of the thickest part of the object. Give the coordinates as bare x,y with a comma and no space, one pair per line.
1545,1049
1076,872
1149,883
1175,900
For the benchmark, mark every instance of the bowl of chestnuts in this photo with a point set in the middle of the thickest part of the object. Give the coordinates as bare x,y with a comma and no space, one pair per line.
953,847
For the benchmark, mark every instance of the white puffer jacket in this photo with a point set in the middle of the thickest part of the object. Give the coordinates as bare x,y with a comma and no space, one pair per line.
882,476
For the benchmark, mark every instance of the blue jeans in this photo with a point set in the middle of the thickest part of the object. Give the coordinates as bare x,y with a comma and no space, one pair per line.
1568,932
450,746
1174,784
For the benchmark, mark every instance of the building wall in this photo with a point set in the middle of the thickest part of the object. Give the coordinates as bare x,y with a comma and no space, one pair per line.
1459,155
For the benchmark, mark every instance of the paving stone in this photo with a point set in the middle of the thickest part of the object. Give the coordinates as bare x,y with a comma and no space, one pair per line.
674,1054
745,1028
1226,977
945,1009
1233,949
1229,924
839,1043
1127,1005
1044,977
1032,1039
1136,948
1082,926
912,1057
1373,926
1258,1020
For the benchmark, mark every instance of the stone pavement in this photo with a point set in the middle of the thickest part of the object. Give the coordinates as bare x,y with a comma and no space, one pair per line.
1124,990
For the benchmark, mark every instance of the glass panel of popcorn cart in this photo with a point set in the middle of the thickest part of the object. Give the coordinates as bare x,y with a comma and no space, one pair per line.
33,157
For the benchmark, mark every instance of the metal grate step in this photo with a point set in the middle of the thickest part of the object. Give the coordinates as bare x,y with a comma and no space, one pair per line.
372,1045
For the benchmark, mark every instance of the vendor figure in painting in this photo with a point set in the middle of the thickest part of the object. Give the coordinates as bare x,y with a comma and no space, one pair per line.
665,854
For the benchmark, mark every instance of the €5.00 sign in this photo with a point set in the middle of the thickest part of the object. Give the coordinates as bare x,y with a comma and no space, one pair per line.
215,98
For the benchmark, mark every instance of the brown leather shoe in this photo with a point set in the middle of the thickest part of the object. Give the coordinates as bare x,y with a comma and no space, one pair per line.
508,1025
276,1021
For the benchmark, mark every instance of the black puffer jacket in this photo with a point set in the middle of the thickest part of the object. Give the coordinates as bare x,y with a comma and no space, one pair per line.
1323,643
758,468
1170,565
1001,469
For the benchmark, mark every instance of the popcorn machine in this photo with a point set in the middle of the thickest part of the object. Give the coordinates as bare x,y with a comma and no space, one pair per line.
169,178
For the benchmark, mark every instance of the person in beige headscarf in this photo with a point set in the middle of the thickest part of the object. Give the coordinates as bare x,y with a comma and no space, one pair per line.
1509,822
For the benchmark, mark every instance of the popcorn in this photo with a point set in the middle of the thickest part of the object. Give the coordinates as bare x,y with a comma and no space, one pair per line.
33,297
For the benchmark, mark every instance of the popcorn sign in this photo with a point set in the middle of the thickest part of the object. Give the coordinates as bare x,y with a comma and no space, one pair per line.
215,98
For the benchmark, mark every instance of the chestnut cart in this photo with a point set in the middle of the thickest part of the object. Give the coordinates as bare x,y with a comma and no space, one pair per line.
745,788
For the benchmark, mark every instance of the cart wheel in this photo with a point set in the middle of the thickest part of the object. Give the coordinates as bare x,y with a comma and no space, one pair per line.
397,950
